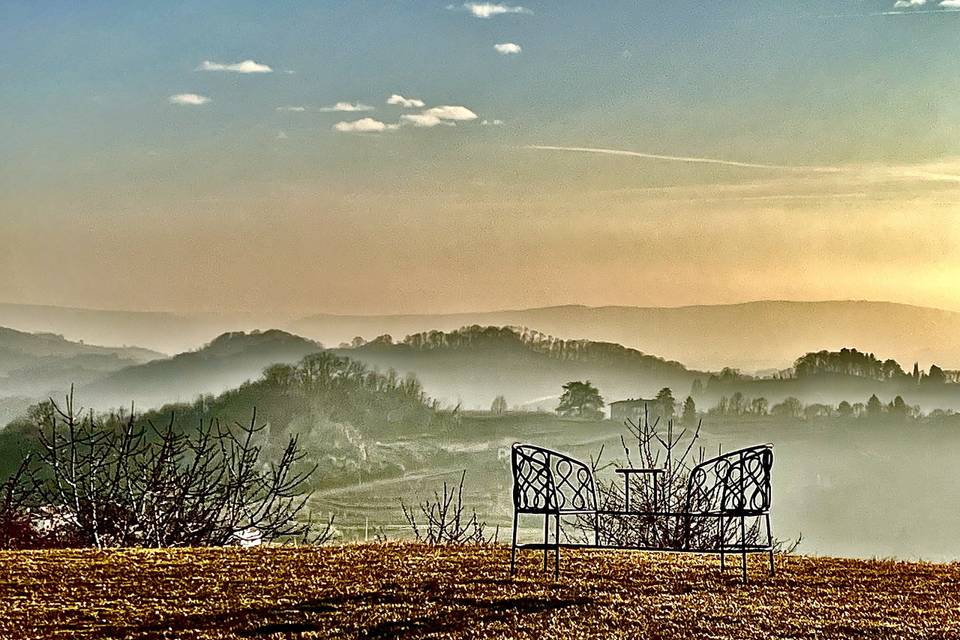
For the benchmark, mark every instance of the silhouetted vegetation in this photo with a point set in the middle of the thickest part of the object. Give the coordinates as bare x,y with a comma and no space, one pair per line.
829,378
580,399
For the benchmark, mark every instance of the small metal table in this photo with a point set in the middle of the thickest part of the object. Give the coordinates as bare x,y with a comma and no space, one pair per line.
627,472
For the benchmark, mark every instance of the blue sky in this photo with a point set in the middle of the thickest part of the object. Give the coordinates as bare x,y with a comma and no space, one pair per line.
294,212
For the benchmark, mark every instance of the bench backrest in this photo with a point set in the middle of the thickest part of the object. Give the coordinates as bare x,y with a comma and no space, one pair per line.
546,481
735,483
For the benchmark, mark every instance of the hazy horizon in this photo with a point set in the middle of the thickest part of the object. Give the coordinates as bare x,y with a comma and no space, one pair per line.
281,315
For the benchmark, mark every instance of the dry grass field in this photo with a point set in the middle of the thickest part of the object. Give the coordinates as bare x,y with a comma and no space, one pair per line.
406,590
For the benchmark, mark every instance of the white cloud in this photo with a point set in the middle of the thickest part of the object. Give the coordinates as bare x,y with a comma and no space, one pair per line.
447,115
294,109
448,112
407,103
905,4
950,4
247,66
491,123
363,125
189,99
423,120
506,48
348,107
489,9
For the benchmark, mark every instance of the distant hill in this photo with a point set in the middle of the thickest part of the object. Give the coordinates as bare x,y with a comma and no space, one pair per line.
36,364
163,331
226,362
475,364
751,336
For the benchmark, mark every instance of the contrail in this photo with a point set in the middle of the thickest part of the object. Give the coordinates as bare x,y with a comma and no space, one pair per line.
865,173
892,12
693,159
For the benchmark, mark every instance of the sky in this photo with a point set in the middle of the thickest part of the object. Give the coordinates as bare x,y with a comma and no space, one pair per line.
421,156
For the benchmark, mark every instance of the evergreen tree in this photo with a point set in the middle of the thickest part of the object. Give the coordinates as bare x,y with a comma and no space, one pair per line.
689,411
874,406
665,404
581,399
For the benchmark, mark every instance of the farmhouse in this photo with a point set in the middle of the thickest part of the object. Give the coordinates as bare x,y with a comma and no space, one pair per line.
630,409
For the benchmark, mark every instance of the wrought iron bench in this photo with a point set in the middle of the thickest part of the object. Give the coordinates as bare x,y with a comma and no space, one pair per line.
730,489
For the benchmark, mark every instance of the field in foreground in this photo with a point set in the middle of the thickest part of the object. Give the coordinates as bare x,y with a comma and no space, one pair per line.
406,590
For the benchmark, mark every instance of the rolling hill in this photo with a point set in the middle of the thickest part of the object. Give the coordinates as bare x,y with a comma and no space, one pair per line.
226,362
163,331
475,364
752,336
36,364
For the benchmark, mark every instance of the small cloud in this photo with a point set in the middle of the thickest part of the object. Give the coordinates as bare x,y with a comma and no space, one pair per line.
423,120
293,109
348,107
506,48
247,66
189,99
407,103
446,115
950,4
491,123
906,4
447,112
489,9
364,125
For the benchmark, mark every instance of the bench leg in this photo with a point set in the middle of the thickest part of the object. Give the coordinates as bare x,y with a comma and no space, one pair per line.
720,542
546,536
770,542
513,545
743,547
556,558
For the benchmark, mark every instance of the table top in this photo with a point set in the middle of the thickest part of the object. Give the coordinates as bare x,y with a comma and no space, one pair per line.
638,470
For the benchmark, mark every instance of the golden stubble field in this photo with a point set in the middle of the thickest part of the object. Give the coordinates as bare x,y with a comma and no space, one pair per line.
407,590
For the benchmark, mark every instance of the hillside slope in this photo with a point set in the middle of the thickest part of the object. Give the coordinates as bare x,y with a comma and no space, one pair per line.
473,365
36,364
226,362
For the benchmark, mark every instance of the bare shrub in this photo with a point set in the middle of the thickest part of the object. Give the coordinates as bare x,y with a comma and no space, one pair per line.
667,518
115,481
442,520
